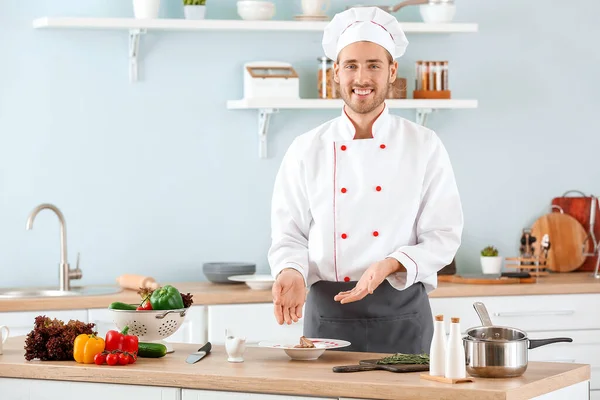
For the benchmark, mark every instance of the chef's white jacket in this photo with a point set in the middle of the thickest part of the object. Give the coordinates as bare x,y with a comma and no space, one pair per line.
340,204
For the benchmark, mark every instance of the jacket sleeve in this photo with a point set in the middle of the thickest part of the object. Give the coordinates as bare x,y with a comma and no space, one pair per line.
439,223
290,216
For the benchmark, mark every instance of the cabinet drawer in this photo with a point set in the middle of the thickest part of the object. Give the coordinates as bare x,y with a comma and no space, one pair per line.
21,323
256,322
529,313
585,349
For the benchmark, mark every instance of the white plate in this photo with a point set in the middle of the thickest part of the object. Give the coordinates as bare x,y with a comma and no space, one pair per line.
256,282
304,353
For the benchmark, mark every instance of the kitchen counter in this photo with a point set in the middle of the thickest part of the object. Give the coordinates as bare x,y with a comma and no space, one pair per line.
207,293
271,371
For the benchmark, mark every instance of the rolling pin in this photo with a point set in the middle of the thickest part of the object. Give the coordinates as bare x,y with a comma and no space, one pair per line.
131,281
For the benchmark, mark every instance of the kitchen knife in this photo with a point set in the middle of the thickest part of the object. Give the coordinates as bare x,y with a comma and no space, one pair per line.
199,355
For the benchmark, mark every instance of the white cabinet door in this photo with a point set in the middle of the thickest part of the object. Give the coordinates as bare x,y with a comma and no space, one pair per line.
193,329
585,349
594,394
529,313
33,389
255,322
188,394
21,323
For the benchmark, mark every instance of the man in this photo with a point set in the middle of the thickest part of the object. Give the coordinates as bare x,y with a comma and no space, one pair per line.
365,207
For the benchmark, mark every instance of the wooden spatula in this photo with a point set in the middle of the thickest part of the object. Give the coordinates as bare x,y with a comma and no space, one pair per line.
371,365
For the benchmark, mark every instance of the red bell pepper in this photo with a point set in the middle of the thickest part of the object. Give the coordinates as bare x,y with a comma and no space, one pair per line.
116,340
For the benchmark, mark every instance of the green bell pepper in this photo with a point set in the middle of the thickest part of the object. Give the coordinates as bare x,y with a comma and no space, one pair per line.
166,298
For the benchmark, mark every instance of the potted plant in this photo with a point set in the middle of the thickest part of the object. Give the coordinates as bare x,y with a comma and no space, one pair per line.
146,9
194,9
491,262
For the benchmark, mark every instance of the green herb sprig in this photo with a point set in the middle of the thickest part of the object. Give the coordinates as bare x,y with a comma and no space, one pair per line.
401,358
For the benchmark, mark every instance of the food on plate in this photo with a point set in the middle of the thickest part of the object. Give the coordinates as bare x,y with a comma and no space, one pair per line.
151,350
401,358
86,347
305,343
52,339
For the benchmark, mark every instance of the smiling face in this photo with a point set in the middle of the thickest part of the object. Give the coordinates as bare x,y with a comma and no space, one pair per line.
364,71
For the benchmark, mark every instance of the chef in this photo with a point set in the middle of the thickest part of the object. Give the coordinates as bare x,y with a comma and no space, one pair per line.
365,207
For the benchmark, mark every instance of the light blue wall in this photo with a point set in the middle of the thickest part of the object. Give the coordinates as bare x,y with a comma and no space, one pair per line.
158,177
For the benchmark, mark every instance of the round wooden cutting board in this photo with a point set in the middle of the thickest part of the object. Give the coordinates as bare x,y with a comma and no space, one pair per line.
566,236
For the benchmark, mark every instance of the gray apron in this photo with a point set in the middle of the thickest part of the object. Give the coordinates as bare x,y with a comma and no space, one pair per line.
387,321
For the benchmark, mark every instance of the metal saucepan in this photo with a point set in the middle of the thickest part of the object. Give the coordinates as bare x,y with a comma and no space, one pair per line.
499,351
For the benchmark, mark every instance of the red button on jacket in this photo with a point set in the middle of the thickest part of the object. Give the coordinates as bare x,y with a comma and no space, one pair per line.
344,190
343,148
382,146
375,233
344,236
347,279
378,188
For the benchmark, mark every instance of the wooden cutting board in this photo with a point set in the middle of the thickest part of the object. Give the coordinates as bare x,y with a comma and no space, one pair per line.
371,365
566,238
484,281
580,209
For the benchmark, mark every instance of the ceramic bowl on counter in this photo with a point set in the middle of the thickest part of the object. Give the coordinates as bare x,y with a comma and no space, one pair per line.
255,10
255,281
219,272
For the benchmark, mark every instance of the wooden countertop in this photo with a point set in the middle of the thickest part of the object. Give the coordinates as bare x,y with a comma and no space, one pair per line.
271,371
206,293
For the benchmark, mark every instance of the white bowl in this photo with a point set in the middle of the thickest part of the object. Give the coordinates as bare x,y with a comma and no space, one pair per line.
150,325
306,354
256,282
437,13
254,10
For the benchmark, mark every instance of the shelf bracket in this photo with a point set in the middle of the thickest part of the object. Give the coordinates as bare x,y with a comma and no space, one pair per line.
134,49
264,115
422,115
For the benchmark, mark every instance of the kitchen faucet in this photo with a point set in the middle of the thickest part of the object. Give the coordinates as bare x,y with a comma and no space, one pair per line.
65,272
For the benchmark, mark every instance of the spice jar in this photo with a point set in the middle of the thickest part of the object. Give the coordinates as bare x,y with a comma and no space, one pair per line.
327,88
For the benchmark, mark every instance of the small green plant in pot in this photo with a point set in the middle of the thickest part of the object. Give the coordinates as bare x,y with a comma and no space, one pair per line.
491,262
194,9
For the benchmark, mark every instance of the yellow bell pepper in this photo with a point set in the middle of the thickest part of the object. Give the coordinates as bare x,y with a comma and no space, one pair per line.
86,347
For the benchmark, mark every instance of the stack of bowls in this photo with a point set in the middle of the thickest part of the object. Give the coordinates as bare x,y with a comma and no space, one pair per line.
255,10
219,272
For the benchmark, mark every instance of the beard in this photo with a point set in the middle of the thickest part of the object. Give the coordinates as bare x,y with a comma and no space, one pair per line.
363,105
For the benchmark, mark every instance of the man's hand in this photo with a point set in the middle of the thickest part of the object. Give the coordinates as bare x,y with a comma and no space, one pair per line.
370,280
289,294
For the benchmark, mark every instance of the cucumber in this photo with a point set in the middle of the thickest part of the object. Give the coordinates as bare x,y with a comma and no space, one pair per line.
151,350
117,305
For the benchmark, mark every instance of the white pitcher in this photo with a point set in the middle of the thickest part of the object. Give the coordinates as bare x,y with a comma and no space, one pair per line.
235,347
3,337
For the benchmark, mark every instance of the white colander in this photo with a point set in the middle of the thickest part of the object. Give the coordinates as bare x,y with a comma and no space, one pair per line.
150,325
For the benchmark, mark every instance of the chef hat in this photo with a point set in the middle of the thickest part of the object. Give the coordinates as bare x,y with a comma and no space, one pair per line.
364,24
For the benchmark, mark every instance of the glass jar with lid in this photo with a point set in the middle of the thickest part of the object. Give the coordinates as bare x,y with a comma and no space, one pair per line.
327,88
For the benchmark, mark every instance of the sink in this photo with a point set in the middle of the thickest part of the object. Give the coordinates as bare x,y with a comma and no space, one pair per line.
75,291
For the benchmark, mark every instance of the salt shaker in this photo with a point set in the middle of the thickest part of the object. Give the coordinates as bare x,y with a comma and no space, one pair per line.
437,352
455,353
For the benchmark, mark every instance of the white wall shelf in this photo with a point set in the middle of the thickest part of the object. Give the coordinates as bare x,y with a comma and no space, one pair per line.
226,25
138,27
266,107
